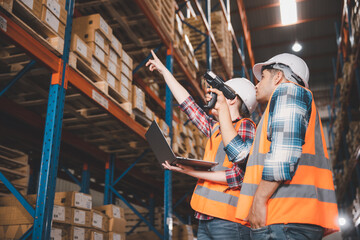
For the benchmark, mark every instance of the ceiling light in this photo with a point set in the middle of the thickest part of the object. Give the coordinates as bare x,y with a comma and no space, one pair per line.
342,221
296,47
288,12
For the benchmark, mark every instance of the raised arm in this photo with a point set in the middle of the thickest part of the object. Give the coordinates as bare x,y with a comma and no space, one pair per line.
178,91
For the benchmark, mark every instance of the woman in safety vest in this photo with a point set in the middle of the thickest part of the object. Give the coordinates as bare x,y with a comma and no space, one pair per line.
288,190
216,194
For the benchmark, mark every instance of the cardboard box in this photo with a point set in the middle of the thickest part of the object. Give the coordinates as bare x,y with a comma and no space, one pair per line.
115,236
73,199
59,232
7,5
125,92
56,8
78,233
34,6
94,21
14,231
117,225
127,59
99,53
12,201
99,220
97,235
126,70
116,45
99,68
114,57
114,69
62,214
112,81
111,210
13,215
80,217
138,99
53,22
93,35
80,48
126,81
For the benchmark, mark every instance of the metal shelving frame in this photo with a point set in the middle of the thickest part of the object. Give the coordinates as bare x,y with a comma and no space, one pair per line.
346,192
62,74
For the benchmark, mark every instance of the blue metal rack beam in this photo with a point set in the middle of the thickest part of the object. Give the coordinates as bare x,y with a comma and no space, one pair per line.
168,175
18,76
208,40
18,195
85,180
51,142
146,59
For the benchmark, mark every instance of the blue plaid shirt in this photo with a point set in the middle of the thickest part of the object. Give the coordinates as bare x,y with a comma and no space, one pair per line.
289,115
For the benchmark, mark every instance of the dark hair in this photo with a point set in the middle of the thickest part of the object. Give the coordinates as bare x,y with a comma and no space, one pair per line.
243,110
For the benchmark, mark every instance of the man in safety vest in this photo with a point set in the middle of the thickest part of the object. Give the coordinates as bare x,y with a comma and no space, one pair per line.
216,194
288,190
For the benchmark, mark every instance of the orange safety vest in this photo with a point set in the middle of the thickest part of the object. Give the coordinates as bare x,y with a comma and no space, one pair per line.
309,198
211,198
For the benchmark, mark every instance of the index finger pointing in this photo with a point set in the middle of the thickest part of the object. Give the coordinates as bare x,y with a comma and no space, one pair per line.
154,55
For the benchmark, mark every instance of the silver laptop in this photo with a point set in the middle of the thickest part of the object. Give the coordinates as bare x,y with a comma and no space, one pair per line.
163,151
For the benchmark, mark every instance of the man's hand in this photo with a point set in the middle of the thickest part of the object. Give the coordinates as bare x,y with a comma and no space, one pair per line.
155,64
258,210
178,168
221,100
257,214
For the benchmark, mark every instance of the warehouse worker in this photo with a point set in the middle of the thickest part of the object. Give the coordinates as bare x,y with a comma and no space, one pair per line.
215,196
288,190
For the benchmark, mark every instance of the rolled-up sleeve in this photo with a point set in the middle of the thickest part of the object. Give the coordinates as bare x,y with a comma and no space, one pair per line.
289,114
237,151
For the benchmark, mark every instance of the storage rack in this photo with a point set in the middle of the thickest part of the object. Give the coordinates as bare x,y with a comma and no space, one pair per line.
64,79
343,110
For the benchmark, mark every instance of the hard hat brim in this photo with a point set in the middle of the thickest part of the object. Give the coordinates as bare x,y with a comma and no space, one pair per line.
257,69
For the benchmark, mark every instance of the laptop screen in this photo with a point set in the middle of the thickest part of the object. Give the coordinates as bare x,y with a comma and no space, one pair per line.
158,144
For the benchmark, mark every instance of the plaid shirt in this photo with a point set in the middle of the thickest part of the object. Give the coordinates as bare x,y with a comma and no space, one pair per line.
289,115
237,150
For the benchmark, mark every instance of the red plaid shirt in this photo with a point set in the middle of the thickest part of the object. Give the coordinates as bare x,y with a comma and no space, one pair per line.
237,150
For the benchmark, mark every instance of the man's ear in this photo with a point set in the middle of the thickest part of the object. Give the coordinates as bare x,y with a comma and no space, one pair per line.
233,101
279,77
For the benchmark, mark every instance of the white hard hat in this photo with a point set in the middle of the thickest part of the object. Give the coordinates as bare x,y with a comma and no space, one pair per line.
296,65
246,91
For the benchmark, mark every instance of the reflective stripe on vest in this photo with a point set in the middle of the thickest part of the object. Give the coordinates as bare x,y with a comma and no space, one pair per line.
216,199
309,197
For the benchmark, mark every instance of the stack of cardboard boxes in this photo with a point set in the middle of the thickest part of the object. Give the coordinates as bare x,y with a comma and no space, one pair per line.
116,221
183,43
73,218
95,44
46,17
222,36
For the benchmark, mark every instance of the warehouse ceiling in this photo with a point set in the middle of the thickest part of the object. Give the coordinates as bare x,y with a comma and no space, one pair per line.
315,31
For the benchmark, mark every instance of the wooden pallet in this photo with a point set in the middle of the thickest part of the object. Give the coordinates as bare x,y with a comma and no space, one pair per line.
89,74
84,68
36,28
14,165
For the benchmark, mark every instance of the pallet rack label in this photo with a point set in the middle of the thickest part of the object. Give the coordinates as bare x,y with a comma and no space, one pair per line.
100,99
3,24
